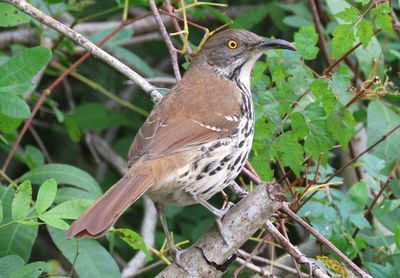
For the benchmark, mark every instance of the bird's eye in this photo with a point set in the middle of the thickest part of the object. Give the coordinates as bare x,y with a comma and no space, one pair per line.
232,44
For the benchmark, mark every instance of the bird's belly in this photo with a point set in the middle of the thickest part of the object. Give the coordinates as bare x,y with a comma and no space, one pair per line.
214,167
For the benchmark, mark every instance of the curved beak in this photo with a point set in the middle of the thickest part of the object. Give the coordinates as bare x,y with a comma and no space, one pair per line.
276,44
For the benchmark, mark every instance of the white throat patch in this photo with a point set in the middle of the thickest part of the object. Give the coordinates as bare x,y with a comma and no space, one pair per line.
245,71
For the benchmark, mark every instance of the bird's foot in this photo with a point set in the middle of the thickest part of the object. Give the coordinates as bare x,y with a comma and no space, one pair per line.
219,214
240,192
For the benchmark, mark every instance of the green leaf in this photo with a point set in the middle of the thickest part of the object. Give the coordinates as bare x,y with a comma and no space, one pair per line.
381,119
31,270
95,116
15,239
22,200
11,16
133,60
317,140
46,195
252,17
93,259
396,230
23,66
341,124
73,129
64,174
8,125
298,124
289,151
349,14
320,89
17,89
365,31
54,221
1,213
359,221
69,210
133,239
305,40
33,157
382,17
358,194
10,264
343,38
13,107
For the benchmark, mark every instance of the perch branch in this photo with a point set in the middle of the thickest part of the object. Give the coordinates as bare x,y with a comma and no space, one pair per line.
211,255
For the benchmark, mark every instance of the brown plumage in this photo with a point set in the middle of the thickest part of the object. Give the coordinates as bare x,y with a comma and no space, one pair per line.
196,140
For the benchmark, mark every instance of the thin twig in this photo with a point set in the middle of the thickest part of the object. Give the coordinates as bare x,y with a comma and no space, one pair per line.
314,269
171,49
352,161
259,270
391,176
88,45
319,27
40,144
283,229
344,55
285,208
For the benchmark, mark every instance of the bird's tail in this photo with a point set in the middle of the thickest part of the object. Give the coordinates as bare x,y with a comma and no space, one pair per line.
100,217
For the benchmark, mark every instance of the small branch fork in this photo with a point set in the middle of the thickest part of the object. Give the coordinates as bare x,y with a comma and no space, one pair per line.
171,49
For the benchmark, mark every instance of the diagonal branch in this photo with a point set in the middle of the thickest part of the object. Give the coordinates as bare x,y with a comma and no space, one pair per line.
88,45
358,271
211,254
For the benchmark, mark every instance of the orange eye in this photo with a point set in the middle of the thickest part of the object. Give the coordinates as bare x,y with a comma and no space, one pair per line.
232,44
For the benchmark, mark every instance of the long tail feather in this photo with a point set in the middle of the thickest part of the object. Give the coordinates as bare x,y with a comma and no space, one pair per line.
102,215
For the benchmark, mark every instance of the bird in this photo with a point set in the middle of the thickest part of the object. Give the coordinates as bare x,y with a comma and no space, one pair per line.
196,140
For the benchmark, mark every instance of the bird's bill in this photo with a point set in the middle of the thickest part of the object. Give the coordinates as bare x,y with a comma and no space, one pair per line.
276,44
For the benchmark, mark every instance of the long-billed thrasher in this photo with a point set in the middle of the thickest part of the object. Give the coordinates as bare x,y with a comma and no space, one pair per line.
196,140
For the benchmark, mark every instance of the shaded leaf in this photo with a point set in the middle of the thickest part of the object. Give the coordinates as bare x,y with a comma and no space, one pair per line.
10,264
380,120
31,270
93,259
64,174
341,124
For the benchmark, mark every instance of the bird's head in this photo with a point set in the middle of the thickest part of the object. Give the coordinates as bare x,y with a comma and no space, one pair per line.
232,53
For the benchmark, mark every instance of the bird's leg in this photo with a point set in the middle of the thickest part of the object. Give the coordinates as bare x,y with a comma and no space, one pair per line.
240,192
225,198
219,213
176,253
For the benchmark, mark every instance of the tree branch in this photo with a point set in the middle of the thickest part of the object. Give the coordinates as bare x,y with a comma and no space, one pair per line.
171,49
358,271
211,255
88,45
315,271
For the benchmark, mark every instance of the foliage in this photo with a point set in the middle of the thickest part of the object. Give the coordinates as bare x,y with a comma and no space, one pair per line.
310,120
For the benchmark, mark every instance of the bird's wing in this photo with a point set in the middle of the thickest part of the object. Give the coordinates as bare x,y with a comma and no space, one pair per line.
183,120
